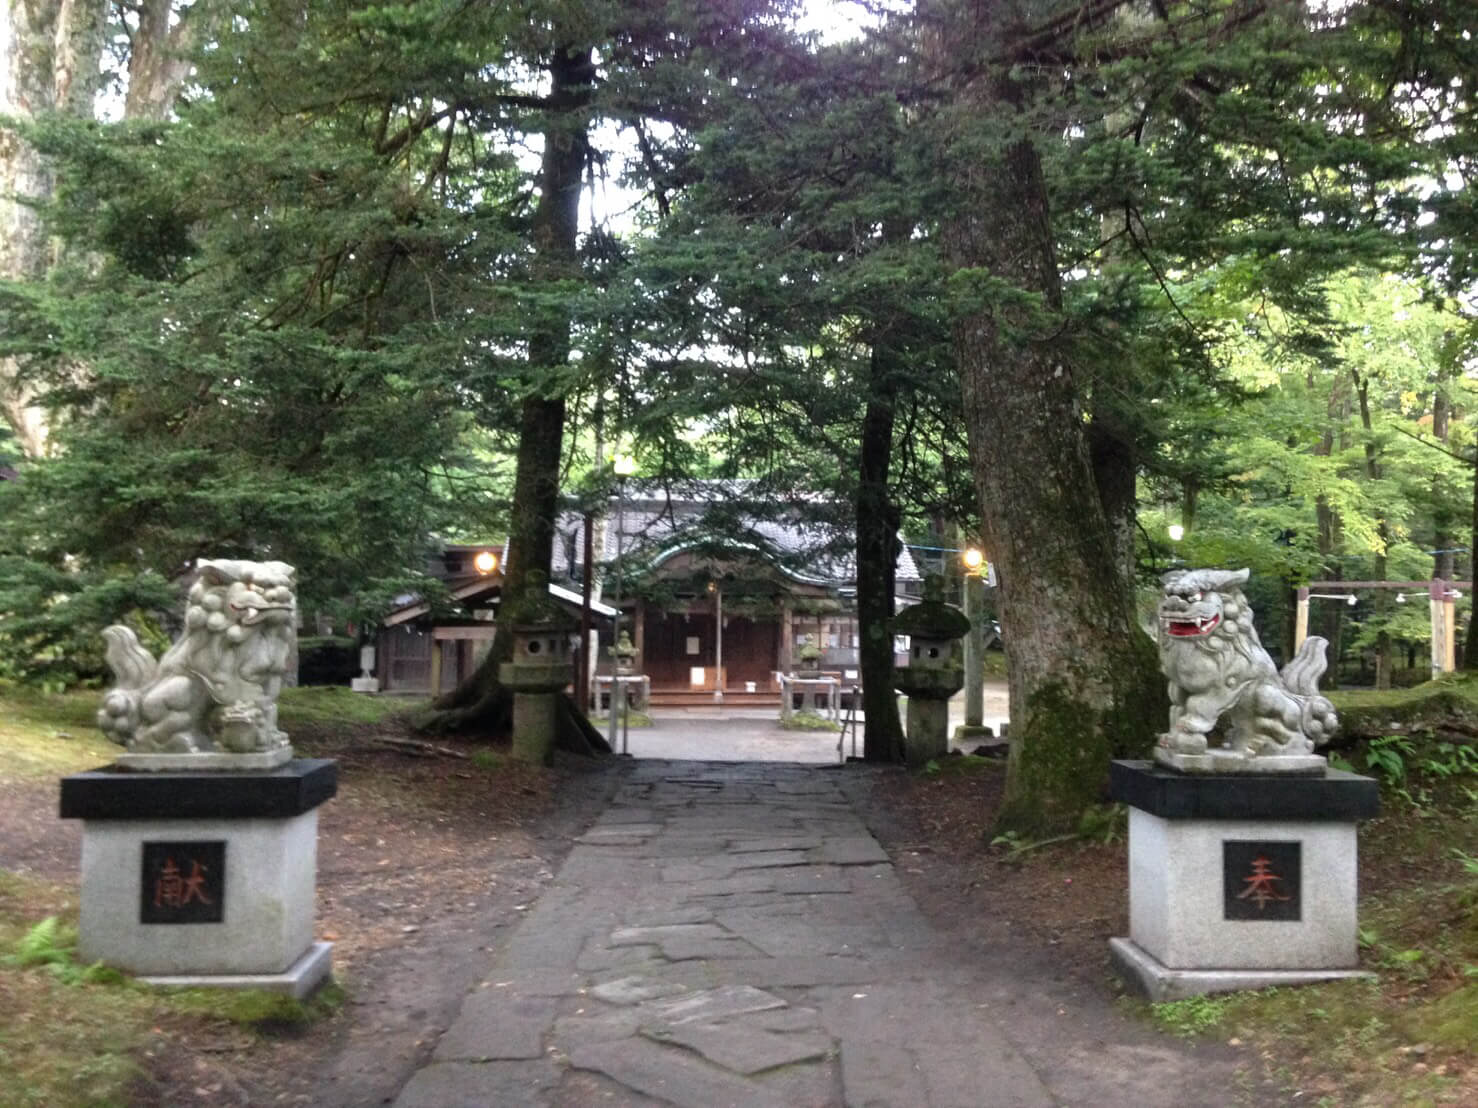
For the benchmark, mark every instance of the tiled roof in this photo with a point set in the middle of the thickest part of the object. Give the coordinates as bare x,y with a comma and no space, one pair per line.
805,540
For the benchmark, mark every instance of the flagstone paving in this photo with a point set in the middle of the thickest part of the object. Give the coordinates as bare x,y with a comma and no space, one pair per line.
732,935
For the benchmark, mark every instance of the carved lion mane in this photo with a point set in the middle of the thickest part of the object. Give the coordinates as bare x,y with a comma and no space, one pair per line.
216,688
1217,667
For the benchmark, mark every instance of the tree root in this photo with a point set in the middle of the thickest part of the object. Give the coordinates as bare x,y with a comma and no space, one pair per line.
491,714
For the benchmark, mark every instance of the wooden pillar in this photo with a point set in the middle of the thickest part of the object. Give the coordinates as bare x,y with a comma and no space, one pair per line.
1449,610
435,667
787,637
1441,632
1301,620
718,644
639,634
975,650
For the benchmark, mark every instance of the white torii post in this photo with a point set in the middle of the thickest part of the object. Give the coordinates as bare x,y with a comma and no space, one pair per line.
1440,601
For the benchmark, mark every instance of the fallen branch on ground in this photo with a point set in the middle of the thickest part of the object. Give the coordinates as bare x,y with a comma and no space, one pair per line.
418,749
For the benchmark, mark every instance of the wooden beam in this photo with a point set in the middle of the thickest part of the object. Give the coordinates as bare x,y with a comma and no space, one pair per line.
1301,620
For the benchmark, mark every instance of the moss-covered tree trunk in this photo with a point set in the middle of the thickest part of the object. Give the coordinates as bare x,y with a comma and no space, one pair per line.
877,558
1084,679
481,701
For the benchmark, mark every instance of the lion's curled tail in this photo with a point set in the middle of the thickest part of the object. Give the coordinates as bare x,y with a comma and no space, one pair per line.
1301,677
134,669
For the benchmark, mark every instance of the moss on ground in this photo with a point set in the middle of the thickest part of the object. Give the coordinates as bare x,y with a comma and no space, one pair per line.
1451,699
320,704
809,721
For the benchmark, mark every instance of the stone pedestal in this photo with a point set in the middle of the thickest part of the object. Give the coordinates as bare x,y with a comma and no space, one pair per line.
535,726
535,687
203,879
925,730
926,719
818,695
1239,882
635,687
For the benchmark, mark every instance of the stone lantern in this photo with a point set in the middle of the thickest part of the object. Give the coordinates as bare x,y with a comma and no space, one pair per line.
540,669
935,670
624,654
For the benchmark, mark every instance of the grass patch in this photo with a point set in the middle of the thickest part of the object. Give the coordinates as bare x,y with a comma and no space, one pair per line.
75,1035
490,760
1195,1015
266,1013
68,1036
633,719
50,734
321,704
53,734
809,721
962,765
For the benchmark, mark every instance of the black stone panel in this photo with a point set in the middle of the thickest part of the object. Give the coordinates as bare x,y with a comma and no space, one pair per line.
1262,880
1337,795
290,790
183,882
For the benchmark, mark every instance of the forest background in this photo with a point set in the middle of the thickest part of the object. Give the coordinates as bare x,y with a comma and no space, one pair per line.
326,282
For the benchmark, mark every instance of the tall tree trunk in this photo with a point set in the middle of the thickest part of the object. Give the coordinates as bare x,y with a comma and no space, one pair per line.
877,557
158,61
1331,534
1442,521
1383,532
1115,474
49,64
1084,680
481,700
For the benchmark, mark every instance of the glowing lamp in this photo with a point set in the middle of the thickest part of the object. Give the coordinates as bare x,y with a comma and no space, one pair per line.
485,562
973,559
623,465
1176,531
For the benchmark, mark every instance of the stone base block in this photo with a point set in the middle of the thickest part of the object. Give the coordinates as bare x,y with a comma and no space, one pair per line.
1229,761
364,684
1187,911
206,761
265,897
967,734
1158,982
199,875
1239,882
301,978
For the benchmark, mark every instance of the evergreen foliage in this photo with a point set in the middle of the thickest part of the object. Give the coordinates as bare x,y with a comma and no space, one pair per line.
1065,272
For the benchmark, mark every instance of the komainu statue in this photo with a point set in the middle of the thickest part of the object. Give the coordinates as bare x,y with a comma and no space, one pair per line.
212,698
1221,677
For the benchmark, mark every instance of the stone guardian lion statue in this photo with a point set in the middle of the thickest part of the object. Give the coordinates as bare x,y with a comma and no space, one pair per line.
214,692
1219,673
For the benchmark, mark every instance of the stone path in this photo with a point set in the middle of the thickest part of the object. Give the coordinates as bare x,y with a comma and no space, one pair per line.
731,935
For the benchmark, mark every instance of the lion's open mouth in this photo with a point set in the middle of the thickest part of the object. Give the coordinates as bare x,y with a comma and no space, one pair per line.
1190,628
